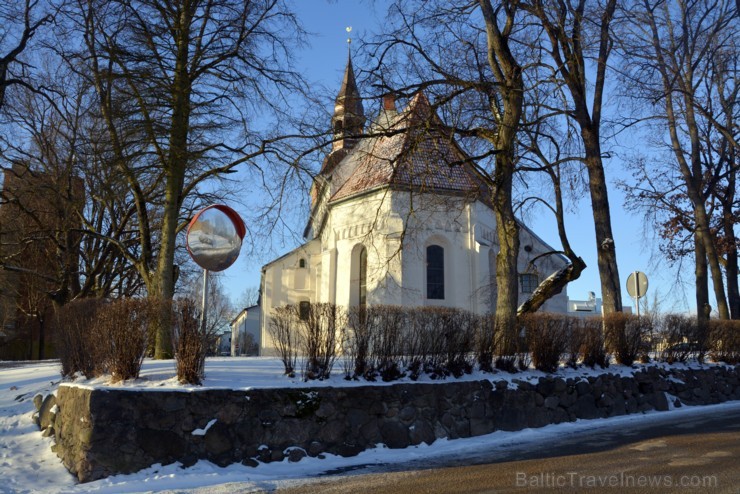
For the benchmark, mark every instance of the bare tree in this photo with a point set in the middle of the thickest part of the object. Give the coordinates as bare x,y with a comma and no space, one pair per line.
723,89
549,154
671,51
19,22
577,35
219,308
249,297
176,84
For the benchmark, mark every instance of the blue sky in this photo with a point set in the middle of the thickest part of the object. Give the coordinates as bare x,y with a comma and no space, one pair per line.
324,60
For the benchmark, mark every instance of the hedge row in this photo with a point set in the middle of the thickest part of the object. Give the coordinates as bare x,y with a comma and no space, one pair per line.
97,337
388,342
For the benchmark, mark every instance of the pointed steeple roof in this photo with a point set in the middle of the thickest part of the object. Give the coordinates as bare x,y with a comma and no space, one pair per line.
349,116
348,100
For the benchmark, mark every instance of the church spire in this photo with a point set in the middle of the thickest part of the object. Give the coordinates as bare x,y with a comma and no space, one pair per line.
349,116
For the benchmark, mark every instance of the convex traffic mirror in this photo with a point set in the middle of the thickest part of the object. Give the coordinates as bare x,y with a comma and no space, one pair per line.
215,236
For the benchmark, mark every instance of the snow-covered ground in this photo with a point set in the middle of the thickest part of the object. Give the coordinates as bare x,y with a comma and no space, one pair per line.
27,464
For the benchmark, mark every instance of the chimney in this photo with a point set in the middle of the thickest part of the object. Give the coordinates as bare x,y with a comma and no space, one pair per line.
389,102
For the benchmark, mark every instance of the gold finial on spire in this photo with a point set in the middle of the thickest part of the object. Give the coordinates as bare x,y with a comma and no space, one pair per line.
349,30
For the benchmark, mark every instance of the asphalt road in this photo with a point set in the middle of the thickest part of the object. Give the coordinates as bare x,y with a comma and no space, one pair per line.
696,453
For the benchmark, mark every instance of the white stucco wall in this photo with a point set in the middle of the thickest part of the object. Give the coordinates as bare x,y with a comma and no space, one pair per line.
396,227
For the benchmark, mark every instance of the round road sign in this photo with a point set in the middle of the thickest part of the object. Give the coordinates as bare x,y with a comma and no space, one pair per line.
637,284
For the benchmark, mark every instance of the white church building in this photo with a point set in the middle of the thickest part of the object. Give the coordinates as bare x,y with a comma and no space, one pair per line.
399,216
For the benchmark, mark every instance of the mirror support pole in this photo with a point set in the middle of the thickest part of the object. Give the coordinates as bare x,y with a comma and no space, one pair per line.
203,314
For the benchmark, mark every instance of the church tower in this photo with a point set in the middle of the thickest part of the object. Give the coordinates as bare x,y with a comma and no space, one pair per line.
349,116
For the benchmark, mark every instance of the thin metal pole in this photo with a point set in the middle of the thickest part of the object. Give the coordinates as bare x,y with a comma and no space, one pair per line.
637,293
203,315
203,321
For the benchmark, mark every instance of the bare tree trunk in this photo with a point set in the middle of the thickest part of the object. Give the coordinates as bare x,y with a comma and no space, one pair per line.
611,292
733,293
702,279
728,223
176,165
704,235
506,264
42,337
508,74
564,25
552,285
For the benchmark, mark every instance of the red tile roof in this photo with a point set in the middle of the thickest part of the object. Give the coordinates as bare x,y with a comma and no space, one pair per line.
413,153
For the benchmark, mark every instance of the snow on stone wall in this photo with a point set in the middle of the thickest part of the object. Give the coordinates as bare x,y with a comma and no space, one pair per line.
101,432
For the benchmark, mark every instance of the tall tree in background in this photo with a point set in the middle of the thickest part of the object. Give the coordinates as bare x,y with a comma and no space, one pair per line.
61,145
671,56
577,37
177,82
19,22
723,152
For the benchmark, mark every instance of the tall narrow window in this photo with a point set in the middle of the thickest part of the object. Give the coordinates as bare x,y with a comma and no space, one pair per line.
435,272
302,263
362,278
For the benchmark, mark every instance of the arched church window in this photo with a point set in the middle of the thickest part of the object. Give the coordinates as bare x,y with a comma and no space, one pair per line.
435,272
362,288
302,263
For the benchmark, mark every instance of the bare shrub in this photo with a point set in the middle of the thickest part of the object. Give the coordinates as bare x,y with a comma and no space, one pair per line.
321,328
418,341
546,339
484,343
357,343
460,341
649,324
574,339
520,360
246,344
682,338
592,347
440,342
623,335
432,326
386,324
723,341
123,327
77,341
190,343
283,329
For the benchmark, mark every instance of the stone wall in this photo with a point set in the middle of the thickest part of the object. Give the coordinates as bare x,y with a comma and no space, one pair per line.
100,432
